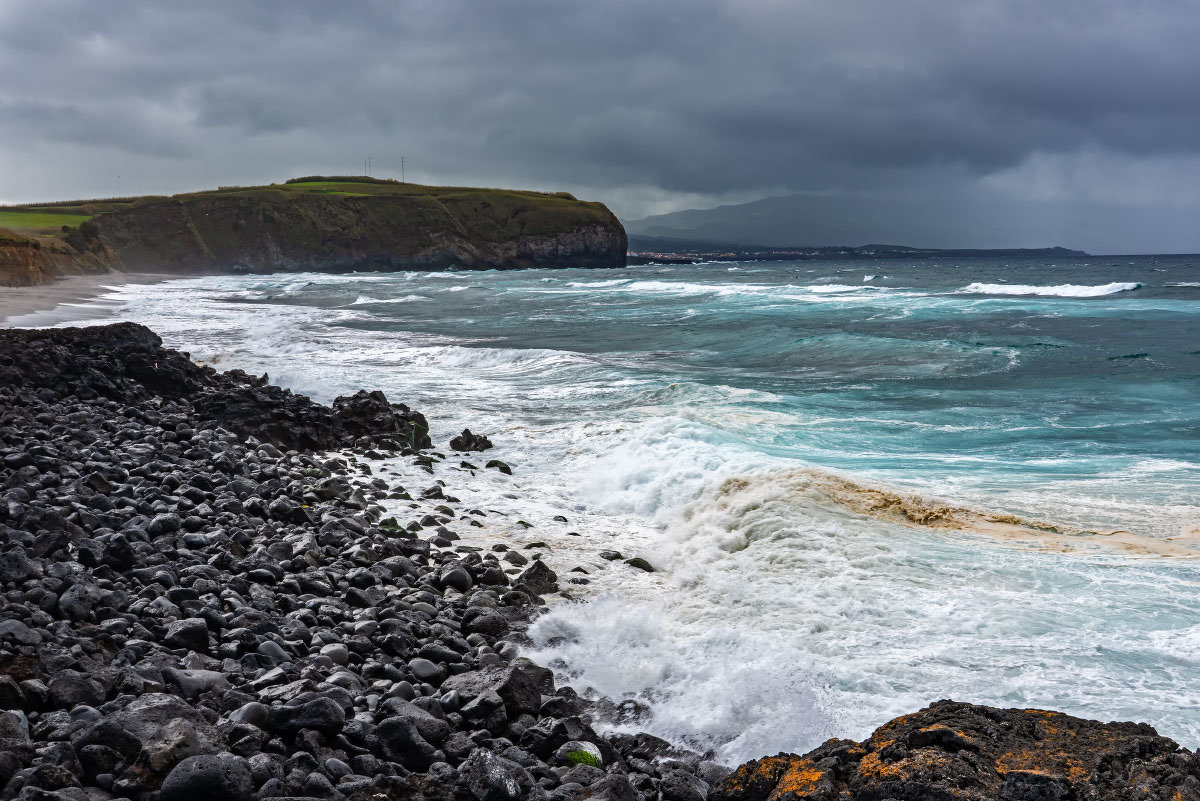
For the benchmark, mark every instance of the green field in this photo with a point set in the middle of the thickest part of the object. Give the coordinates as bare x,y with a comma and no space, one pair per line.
36,221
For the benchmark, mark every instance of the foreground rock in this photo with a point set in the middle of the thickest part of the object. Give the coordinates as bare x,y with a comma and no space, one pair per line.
961,751
195,604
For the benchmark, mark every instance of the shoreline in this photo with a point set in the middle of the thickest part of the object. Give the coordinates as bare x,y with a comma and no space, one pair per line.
38,306
242,621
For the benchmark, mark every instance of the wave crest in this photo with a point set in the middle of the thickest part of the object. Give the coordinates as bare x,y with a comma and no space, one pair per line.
740,502
1060,291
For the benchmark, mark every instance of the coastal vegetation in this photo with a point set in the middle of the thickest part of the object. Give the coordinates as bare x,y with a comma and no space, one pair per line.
325,223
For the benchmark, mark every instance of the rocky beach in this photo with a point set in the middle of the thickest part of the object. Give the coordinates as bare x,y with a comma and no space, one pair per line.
203,599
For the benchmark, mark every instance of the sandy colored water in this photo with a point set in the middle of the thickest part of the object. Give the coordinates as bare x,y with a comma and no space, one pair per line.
40,306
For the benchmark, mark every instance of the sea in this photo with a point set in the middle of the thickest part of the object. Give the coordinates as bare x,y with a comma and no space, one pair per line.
864,485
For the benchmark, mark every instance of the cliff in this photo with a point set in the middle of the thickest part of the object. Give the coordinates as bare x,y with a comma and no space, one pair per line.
28,261
316,224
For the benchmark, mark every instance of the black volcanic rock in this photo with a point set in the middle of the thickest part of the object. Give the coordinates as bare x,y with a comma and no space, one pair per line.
369,415
961,751
466,441
127,363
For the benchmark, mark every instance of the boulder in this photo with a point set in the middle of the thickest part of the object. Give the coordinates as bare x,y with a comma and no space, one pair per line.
190,633
492,778
516,686
466,441
400,741
537,579
955,750
218,777
321,714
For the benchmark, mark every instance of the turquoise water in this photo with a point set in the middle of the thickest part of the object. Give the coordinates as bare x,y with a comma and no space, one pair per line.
729,421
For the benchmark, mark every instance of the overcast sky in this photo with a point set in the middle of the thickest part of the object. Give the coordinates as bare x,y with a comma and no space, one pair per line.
648,105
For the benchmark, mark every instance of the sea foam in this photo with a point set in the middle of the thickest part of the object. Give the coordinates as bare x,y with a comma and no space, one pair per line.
1061,291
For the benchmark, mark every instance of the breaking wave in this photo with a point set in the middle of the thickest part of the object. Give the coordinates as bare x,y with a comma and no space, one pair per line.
1060,291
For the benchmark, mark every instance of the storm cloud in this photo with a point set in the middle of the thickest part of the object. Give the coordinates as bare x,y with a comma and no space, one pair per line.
649,106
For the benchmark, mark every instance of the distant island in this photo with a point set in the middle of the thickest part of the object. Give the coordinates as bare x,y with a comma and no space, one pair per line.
671,250
314,223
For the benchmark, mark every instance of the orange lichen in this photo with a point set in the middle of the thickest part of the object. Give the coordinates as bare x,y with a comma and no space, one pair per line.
1048,762
801,778
922,761
760,773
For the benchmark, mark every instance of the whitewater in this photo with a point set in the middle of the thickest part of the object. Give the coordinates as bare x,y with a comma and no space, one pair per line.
864,485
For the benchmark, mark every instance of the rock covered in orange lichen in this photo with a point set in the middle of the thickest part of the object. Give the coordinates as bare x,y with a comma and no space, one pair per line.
961,751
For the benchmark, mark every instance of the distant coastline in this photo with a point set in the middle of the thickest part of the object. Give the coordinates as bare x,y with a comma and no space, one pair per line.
670,250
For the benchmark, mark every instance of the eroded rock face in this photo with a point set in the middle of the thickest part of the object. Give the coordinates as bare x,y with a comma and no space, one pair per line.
27,262
961,751
299,232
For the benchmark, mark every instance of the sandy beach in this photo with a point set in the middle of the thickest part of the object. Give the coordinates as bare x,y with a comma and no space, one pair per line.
39,306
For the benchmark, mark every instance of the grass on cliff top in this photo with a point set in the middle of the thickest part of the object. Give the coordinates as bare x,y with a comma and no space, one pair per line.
39,221
496,205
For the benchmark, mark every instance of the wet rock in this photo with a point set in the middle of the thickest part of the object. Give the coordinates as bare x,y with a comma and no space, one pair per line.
492,778
537,579
369,414
458,578
496,464
466,441
640,563
484,621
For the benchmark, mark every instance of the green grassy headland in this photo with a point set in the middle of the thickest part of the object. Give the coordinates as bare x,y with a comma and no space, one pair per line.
327,223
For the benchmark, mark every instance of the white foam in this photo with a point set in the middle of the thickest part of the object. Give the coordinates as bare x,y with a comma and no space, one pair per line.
1184,284
1061,290
599,284
823,288
710,687
364,299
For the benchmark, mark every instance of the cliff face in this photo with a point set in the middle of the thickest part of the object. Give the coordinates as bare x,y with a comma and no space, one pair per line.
272,231
310,224
27,262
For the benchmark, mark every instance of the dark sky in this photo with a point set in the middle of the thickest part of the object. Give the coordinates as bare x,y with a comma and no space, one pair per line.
1025,109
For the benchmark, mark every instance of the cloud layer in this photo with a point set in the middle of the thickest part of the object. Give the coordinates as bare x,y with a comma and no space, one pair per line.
650,106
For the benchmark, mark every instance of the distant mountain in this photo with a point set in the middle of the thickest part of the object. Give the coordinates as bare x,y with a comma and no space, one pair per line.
671,250
821,221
